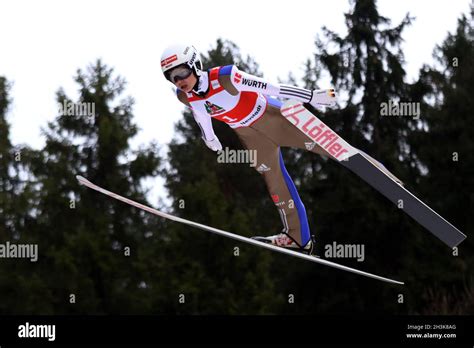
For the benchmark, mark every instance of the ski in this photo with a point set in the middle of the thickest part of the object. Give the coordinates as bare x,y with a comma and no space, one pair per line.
92,186
362,164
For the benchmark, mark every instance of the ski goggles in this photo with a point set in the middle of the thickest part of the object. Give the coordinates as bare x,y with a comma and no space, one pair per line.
179,73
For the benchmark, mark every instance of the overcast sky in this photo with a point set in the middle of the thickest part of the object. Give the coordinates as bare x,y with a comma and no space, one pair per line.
45,42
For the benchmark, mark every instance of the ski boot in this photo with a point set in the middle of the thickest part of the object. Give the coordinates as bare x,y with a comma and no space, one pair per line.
283,240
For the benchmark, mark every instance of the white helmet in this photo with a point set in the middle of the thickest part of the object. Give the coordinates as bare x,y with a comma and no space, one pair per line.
177,55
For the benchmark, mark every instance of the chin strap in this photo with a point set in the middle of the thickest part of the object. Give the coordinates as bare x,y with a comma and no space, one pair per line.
202,84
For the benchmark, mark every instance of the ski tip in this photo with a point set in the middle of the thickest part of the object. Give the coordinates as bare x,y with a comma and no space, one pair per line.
81,179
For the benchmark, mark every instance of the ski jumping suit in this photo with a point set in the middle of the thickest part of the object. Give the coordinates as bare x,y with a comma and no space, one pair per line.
242,101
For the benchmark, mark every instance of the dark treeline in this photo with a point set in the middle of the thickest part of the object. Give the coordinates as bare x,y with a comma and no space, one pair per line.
99,256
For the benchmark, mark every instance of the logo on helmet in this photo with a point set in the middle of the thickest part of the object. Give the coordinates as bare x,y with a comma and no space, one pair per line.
169,60
193,58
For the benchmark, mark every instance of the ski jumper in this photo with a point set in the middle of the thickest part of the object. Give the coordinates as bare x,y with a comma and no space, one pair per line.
243,102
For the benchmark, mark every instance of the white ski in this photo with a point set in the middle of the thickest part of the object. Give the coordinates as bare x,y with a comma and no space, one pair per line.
89,184
363,165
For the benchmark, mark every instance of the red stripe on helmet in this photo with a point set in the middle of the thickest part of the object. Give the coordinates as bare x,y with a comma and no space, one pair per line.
168,60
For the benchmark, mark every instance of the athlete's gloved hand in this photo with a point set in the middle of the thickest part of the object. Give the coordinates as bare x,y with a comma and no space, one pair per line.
214,144
323,97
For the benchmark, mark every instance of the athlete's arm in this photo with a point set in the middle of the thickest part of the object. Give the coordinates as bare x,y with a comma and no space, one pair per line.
230,76
205,124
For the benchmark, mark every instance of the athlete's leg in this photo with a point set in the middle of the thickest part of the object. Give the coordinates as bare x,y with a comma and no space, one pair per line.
274,125
279,184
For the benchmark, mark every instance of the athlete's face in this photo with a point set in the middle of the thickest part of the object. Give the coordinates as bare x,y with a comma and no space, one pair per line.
183,78
186,85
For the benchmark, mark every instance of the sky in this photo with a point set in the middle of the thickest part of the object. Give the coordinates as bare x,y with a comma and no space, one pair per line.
45,42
